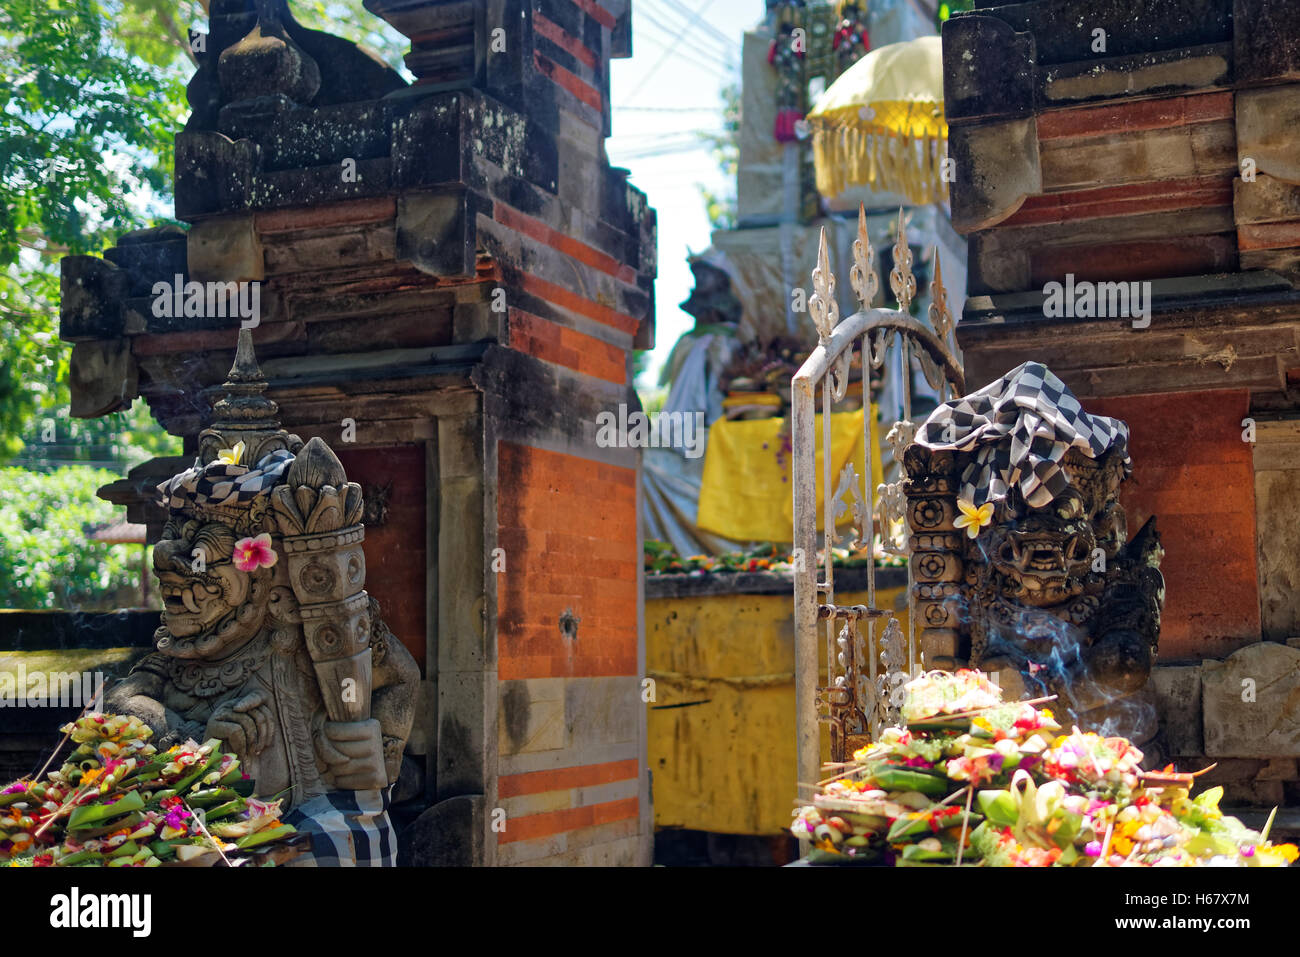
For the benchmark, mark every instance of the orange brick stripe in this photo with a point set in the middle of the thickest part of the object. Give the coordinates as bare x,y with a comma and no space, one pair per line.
576,520
552,342
597,13
1128,200
559,296
532,826
557,35
562,779
1130,117
536,229
570,81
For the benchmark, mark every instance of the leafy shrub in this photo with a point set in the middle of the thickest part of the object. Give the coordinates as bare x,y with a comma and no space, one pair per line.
46,557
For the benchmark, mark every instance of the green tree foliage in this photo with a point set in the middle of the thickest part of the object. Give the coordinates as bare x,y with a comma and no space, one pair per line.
88,125
725,146
93,92
47,560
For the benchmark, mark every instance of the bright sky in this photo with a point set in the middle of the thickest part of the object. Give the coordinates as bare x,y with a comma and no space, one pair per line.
664,95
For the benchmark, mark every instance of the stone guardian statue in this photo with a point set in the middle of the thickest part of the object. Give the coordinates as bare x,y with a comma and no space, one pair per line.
268,638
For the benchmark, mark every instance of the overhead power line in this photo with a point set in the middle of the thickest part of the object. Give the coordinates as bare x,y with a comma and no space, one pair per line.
688,33
653,151
705,27
668,52
667,109
677,44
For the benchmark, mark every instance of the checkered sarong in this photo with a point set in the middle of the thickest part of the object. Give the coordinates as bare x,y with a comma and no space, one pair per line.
218,483
348,829
1020,428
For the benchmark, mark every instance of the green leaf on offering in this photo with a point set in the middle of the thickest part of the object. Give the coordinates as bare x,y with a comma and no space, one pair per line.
938,724
227,809
90,815
998,806
209,797
1068,829
905,827
214,759
266,836
164,849
79,857
127,849
907,779
130,821
915,853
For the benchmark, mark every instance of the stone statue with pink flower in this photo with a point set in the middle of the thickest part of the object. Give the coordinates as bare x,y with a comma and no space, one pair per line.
268,638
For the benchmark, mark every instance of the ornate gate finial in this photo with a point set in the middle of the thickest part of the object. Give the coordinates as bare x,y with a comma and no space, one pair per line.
901,279
821,304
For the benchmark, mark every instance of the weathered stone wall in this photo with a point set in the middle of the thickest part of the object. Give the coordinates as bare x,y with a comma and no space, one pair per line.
1155,143
452,281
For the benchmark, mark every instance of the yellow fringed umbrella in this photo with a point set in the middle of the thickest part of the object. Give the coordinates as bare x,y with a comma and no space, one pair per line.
881,124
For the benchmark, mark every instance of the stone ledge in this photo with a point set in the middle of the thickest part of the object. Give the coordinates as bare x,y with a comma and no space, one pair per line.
762,583
37,631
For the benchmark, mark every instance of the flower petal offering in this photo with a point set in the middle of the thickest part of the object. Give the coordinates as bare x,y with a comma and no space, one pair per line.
975,781
118,802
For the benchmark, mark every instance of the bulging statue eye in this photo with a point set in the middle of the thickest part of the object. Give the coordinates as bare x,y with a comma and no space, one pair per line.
1069,507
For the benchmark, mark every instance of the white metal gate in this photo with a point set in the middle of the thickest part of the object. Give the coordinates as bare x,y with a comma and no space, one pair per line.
856,698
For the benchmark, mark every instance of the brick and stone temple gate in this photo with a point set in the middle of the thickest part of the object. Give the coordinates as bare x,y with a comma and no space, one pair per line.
450,279
1164,164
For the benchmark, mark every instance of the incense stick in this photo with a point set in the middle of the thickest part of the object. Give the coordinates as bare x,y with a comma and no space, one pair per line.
68,734
206,833
965,823
1105,846
54,815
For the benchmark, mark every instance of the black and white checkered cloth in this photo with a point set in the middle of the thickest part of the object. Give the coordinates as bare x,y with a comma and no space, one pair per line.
219,483
1020,428
348,829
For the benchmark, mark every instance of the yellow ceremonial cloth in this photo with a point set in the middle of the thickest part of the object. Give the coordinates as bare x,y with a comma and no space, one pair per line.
747,494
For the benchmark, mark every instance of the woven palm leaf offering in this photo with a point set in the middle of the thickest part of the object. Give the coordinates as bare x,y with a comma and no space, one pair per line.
119,802
974,781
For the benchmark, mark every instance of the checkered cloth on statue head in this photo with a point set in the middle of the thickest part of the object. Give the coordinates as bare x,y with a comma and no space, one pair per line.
221,488
1019,429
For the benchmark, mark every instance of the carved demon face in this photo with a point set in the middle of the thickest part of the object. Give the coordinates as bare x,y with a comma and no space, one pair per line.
1041,555
206,599
1045,556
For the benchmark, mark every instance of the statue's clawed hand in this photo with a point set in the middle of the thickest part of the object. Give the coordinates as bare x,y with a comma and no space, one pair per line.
354,752
245,725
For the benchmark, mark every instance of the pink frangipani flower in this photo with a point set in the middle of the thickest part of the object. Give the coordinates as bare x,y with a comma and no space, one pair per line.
254,553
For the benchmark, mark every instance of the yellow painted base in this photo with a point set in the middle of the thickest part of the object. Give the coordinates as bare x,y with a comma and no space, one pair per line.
721,727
